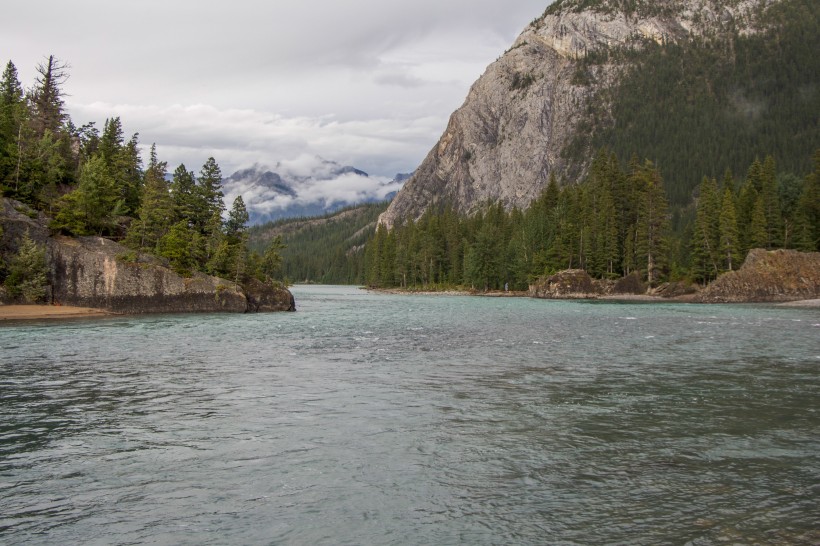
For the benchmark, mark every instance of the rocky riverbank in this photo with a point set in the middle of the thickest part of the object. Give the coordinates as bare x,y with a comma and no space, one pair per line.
765,277
98,273
773,276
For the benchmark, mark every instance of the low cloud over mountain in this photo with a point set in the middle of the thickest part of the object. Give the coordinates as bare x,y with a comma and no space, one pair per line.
305,186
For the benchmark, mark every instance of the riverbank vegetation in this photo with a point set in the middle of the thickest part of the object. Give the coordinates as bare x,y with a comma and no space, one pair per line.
95,183
616,222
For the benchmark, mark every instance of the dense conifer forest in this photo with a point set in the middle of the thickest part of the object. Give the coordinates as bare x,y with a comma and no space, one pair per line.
95,183
616,222
327,249
709,103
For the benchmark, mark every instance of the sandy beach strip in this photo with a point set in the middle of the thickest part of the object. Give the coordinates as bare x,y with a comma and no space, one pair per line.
47,312
801,303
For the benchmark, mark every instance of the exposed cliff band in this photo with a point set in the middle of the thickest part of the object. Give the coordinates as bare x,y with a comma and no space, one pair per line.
507,139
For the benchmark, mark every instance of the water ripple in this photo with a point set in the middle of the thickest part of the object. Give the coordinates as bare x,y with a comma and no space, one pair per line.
410,420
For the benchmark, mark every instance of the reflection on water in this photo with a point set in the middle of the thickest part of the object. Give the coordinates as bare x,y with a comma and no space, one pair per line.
374,419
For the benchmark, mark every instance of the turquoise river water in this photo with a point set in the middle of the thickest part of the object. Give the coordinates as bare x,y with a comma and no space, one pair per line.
379,419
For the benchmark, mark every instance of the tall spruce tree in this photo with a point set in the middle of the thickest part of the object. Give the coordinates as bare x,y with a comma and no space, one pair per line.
47,97
729,240
210,189
771,204
155,214
185,195
653,221
758,236
12,115
237,230
706,236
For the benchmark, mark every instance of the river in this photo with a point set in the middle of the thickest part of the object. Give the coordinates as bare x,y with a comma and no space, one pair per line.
387,419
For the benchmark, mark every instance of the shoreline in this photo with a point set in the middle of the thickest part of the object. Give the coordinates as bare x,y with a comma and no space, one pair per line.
814,303
49,312
448,292
624,298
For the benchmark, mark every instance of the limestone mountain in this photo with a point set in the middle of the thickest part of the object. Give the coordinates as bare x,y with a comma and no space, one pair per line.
697,86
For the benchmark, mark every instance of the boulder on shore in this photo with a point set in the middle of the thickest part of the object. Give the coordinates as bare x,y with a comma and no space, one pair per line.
567,284
768,276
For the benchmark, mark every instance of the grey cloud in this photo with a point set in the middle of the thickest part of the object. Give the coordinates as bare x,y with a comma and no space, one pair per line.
363,82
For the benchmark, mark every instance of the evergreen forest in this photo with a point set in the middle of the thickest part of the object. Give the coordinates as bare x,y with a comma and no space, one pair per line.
616,222
326,249
708,103
93,182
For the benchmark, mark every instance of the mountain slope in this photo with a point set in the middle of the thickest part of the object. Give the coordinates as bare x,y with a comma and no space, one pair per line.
325,249
578,78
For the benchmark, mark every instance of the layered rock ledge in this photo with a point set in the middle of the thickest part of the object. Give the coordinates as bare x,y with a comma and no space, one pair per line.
768,276
100,273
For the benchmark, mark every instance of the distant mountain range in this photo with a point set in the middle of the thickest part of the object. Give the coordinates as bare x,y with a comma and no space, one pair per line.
308,186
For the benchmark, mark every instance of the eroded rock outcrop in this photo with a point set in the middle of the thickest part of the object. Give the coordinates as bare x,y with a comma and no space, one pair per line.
90,272
100,273
768,276
263,298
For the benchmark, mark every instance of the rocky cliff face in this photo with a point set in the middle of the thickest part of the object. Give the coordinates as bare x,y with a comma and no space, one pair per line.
506,140
94,272
768,276
88,272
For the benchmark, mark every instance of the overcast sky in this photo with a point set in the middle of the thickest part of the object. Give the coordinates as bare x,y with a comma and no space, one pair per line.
368,83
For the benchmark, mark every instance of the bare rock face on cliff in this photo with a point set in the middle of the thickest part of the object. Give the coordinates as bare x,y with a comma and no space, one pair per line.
507,139
100,273
89,272
768,276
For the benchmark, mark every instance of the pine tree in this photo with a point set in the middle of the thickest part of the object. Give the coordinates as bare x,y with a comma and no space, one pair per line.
771,204
12,114
155,214
758,229
483,259
131,175
28,272
210,191
179,246
184,194
236,225
236,231
807,214
607,234
272,258
373,256
706,236
111,142
728,181
47,97
123,162
653,221
729,241
744,207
